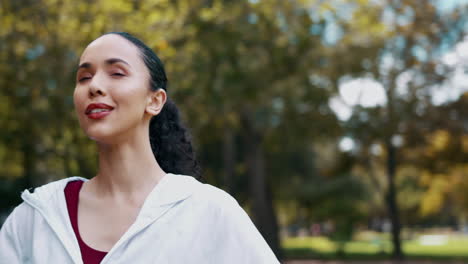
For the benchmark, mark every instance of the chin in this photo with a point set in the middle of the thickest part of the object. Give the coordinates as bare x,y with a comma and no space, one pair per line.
114,132
101,135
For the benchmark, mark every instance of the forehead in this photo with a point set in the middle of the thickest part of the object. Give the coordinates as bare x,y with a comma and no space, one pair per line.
111,46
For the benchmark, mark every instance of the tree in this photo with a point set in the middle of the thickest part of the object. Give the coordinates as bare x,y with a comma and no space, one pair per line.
408,66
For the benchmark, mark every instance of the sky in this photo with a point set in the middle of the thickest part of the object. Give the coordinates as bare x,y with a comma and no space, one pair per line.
450,4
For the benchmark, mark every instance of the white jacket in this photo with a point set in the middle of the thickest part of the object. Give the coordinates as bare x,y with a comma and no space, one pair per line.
181,221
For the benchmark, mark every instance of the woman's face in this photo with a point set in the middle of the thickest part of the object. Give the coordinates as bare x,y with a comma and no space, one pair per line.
112,92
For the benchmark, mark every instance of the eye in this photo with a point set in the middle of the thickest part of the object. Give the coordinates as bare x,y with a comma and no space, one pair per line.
117,74
83,79
83,76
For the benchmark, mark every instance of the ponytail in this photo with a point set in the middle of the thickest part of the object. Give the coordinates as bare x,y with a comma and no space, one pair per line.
171,144
170,140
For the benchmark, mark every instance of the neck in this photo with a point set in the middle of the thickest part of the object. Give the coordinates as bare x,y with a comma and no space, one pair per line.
127,171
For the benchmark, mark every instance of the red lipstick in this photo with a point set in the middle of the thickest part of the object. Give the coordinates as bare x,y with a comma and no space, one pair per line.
98,110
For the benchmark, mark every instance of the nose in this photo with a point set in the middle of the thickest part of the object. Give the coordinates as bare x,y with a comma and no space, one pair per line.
96,87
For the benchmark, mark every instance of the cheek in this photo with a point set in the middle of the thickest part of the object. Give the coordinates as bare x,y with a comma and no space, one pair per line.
78,98
132,96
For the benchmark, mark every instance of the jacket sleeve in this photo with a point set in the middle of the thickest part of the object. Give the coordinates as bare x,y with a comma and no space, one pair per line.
10,244
240,241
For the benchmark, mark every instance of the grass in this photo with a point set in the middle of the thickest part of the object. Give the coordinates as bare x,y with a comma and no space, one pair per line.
366,246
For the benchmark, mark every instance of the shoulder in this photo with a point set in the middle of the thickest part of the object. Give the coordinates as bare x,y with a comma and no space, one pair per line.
232,231
209,200
183,186
215,197
32,197
223,208
43,193
16,229
22,212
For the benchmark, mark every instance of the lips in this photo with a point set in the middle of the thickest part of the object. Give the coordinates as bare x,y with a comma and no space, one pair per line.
98,110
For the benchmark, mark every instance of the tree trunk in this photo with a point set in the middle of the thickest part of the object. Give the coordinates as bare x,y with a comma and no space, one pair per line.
228,159
262,211
29,179
391,200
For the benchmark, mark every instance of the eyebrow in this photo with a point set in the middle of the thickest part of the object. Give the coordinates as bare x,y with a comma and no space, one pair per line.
87,65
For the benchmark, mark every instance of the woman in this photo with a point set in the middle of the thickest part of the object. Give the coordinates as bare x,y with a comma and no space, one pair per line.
138,208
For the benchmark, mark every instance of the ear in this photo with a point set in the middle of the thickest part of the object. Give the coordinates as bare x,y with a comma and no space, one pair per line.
156,101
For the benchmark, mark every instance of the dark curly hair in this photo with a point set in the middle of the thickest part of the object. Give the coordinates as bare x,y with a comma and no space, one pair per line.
169,138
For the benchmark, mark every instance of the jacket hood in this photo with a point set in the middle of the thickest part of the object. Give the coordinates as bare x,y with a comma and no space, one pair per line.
41,197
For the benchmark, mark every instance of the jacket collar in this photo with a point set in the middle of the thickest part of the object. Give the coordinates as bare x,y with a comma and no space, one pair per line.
171,189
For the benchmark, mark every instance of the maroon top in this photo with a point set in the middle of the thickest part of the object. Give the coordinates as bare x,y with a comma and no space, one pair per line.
89,255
